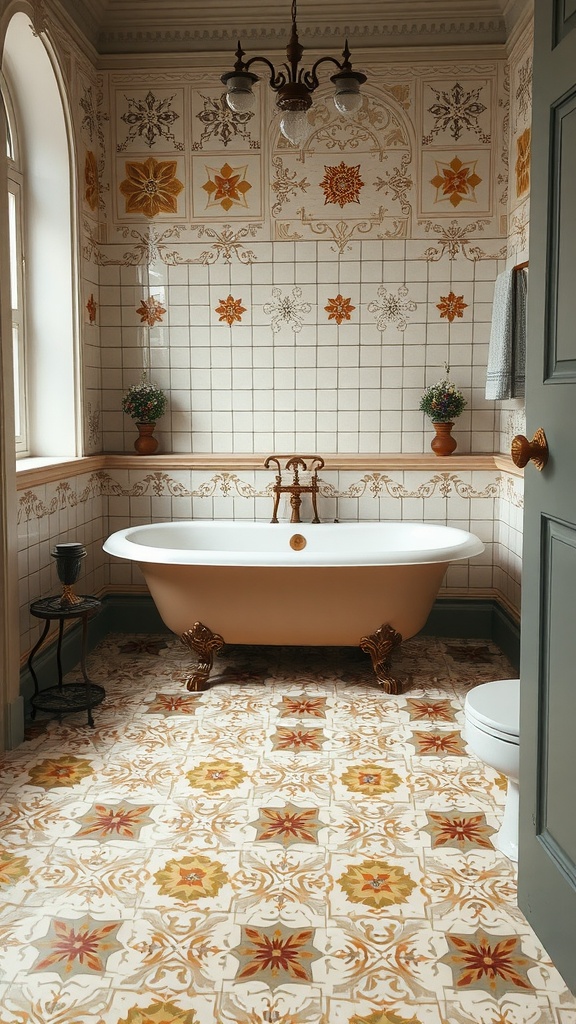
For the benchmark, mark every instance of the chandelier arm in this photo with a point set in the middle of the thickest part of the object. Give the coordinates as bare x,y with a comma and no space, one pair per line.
310,78
277,78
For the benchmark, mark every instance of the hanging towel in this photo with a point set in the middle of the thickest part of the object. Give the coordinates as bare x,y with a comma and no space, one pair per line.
519,333
499,372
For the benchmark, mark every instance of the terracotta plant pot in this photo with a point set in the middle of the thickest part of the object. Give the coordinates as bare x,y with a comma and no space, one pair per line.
443,443
146,443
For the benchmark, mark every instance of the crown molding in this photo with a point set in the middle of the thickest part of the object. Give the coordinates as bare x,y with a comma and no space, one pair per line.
146,26
519,17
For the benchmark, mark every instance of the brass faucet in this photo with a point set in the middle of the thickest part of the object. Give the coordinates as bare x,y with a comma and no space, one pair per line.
306,463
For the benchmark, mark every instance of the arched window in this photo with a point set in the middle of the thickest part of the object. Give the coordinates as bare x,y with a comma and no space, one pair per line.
17,276
43,277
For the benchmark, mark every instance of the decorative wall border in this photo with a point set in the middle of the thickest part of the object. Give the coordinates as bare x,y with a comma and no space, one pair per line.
228,484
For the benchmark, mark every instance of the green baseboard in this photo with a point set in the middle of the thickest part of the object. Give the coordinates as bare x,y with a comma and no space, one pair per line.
136,613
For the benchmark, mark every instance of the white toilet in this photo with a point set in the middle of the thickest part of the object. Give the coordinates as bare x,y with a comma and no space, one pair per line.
492,731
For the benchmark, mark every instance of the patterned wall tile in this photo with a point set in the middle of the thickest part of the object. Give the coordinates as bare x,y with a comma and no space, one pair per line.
151,188
149,120
457,111
456,180
227,188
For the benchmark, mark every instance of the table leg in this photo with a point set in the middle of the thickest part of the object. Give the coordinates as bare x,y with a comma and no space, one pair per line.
83,666
59,652
36,648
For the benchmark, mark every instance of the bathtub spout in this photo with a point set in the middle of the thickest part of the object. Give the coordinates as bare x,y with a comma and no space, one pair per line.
296,489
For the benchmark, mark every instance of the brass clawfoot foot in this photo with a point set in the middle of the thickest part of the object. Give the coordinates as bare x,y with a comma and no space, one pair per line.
379,646
205,644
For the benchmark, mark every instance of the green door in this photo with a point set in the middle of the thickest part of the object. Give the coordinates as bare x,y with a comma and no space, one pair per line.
547,858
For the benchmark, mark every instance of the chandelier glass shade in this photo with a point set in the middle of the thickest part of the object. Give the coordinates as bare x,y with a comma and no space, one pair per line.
293,85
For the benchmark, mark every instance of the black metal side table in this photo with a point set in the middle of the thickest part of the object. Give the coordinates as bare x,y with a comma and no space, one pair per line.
65,697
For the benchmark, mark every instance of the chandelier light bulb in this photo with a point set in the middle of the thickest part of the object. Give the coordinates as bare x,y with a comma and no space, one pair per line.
239,95
347,96
295,126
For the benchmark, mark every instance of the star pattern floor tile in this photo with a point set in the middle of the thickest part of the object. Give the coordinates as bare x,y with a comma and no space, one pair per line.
292,846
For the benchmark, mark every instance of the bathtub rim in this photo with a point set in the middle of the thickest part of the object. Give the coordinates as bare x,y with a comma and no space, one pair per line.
464,545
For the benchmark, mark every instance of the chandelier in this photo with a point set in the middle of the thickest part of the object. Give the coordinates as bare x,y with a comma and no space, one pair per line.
293,85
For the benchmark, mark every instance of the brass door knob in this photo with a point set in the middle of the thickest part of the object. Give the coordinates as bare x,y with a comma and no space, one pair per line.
524,451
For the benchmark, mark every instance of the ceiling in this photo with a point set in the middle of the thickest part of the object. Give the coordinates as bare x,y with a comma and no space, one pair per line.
172,26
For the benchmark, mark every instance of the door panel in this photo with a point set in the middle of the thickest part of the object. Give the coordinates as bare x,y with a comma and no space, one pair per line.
547,844
558,711
562,302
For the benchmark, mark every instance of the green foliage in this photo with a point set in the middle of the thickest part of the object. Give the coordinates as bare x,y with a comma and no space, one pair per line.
442,401
144,402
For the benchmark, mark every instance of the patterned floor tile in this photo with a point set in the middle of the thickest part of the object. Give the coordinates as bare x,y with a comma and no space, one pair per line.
292,846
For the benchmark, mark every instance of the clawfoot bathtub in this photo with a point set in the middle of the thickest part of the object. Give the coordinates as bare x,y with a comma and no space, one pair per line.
328,584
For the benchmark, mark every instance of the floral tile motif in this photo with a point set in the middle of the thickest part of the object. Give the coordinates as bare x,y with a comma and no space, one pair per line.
456,110
288,738
370,779
455,181
288,310
523,162
392,308
342,184
303,707
227,186
64,770
106,822
438,744
218,125
451,306
421,710
149,120
339,309
91,180
230,310
216,775
287,825
172,704
277,955
91,307
77,947
376,883
191,878
151,311
492,963
151,188
463,831
303,850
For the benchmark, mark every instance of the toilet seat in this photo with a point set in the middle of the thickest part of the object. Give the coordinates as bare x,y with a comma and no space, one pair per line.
494,708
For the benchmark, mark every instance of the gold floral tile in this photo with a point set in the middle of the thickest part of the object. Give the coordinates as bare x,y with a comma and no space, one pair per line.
376,887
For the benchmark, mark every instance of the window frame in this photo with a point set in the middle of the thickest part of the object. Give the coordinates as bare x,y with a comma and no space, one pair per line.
16,231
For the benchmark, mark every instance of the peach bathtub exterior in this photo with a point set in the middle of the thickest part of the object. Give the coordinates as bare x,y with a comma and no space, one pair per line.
247,583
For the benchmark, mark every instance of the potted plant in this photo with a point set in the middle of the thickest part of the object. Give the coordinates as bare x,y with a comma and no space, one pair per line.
443,402
145,403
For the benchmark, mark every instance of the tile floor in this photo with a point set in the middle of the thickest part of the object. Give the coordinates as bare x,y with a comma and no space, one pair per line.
292,846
